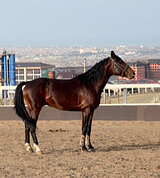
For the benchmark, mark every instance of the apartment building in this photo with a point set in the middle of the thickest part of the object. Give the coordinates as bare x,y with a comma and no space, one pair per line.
154,69
31,70
145,72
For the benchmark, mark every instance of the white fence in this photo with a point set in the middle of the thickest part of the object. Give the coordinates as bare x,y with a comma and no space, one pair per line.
7,92
122,89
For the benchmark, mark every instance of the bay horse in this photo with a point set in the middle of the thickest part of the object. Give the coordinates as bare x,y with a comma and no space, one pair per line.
81,93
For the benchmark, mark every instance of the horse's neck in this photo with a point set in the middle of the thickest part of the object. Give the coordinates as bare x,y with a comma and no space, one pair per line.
101,83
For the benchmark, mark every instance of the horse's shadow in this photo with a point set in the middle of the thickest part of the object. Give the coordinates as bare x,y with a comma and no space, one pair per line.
130,147
60,151
127,147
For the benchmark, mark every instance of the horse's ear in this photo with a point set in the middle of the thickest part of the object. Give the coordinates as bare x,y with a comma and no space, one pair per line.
113,55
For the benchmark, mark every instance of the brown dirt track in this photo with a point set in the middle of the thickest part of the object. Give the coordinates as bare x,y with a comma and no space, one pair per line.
123,149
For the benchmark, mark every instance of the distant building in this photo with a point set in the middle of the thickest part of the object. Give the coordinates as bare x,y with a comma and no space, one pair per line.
69,72
139,69
154,69
26,71
148,72
145,72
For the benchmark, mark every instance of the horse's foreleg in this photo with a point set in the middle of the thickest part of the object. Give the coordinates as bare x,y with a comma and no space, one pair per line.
85,142
88,134
82,142
84,129
27,139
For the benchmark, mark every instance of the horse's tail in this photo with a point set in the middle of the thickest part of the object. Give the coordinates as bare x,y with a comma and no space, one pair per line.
20,108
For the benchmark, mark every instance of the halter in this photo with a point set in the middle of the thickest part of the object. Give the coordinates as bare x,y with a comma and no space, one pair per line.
123,70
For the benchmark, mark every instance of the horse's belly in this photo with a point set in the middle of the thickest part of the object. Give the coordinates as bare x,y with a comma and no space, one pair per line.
68,105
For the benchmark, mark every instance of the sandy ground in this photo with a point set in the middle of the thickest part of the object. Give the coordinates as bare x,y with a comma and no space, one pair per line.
123,149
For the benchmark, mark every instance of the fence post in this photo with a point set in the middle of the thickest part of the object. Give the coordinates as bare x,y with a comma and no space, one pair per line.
125,95
5,97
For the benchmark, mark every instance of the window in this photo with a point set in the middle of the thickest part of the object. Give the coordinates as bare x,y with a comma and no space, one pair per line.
29,71
29,77
36,76
21,77
21,71
36,71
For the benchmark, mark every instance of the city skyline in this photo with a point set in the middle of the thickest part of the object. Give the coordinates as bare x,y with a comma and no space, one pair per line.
74,56
41,23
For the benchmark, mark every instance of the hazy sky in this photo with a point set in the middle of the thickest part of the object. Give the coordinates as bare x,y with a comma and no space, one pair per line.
79,22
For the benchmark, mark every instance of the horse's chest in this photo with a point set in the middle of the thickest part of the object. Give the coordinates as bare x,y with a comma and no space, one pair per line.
92,100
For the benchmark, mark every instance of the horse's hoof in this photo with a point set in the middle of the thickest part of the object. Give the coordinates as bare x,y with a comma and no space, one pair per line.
37,149
39,152
83,149
28,148
91,150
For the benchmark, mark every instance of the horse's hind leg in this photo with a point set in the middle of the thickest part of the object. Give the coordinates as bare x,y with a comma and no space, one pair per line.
35,140
34,111
34,114
27,139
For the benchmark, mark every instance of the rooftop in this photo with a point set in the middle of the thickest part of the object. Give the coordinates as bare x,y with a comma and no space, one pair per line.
33,64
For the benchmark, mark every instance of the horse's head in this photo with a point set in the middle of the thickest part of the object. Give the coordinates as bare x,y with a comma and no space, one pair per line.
120,67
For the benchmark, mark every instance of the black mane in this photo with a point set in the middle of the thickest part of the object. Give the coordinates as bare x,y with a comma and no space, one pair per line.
94,74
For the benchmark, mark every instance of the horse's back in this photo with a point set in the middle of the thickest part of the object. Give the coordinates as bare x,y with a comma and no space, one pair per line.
36,84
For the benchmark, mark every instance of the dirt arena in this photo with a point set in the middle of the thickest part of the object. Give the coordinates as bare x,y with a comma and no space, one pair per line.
123,149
